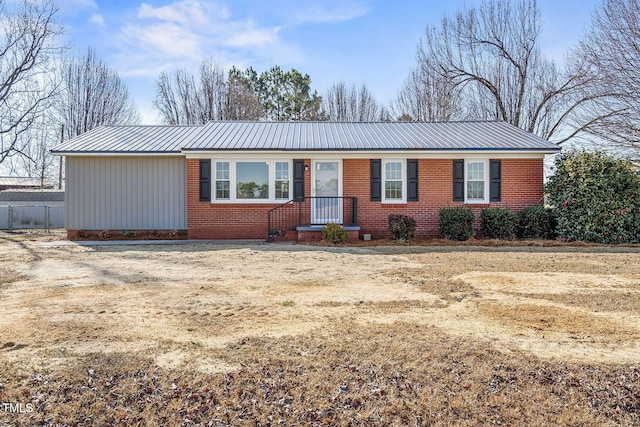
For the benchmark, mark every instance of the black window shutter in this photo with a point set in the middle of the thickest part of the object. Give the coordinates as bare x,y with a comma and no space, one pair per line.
298,179
458,180
412,180
205,180
376,180
495,180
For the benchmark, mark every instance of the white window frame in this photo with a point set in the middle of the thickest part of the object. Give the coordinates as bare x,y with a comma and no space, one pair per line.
275,179
403,181
233,181
214,174
467,163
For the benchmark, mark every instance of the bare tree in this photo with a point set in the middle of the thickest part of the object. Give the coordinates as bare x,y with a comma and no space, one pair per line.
428,96
36,161
91,95
244,95
611,49
350,104
242,104
181,98
175,98
27,47
211,100
490,54
242,98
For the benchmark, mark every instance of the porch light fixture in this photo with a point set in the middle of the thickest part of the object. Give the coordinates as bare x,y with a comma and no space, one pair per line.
306,168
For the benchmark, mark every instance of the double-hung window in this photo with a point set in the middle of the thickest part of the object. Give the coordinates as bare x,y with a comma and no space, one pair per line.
393,181
476,182
282,180
222,181
252,180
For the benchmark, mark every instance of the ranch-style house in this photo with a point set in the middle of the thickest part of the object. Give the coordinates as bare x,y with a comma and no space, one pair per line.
285,180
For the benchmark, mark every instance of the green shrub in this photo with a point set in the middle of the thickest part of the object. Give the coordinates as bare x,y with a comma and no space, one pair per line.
536,222
456,223
498,223
596,198
334,233
402,227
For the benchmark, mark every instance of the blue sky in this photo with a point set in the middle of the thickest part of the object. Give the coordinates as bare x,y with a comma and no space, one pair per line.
358,41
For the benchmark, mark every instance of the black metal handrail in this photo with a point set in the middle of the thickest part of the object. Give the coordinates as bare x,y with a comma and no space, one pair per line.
277,219
311,211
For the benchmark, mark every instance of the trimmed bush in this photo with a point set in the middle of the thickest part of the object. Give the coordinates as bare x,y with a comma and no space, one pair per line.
596,198
402,227
334,233
536,222
456,223
498,223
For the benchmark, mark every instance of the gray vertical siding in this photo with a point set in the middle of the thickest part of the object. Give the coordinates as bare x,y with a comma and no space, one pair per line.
126,193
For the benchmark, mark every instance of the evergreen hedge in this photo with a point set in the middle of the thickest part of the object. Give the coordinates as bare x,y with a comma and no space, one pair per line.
456,223
596,198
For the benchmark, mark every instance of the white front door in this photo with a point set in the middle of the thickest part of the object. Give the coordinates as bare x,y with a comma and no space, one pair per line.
326,206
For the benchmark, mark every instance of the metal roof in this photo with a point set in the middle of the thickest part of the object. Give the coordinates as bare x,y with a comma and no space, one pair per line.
129,140
375,136
32,196
23,181
307,136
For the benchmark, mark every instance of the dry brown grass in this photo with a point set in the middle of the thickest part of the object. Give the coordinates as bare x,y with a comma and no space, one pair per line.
346,374
33,235
296,335
546,318
480,242
600,301
402,306
432,281
9,276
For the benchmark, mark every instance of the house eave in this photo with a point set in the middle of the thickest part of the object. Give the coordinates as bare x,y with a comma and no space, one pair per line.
117,153
346,153
368,154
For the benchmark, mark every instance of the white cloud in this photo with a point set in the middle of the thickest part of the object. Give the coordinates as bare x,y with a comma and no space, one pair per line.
185,12
323,13
163,39
143,39
98,20
183,33
260,37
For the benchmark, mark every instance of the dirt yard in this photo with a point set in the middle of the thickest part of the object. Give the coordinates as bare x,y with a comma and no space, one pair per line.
281,334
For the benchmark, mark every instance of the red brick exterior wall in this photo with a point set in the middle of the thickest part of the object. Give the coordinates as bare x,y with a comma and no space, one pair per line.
207,220
522,185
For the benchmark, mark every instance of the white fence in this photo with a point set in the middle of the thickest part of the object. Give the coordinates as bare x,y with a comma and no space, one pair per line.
13,217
